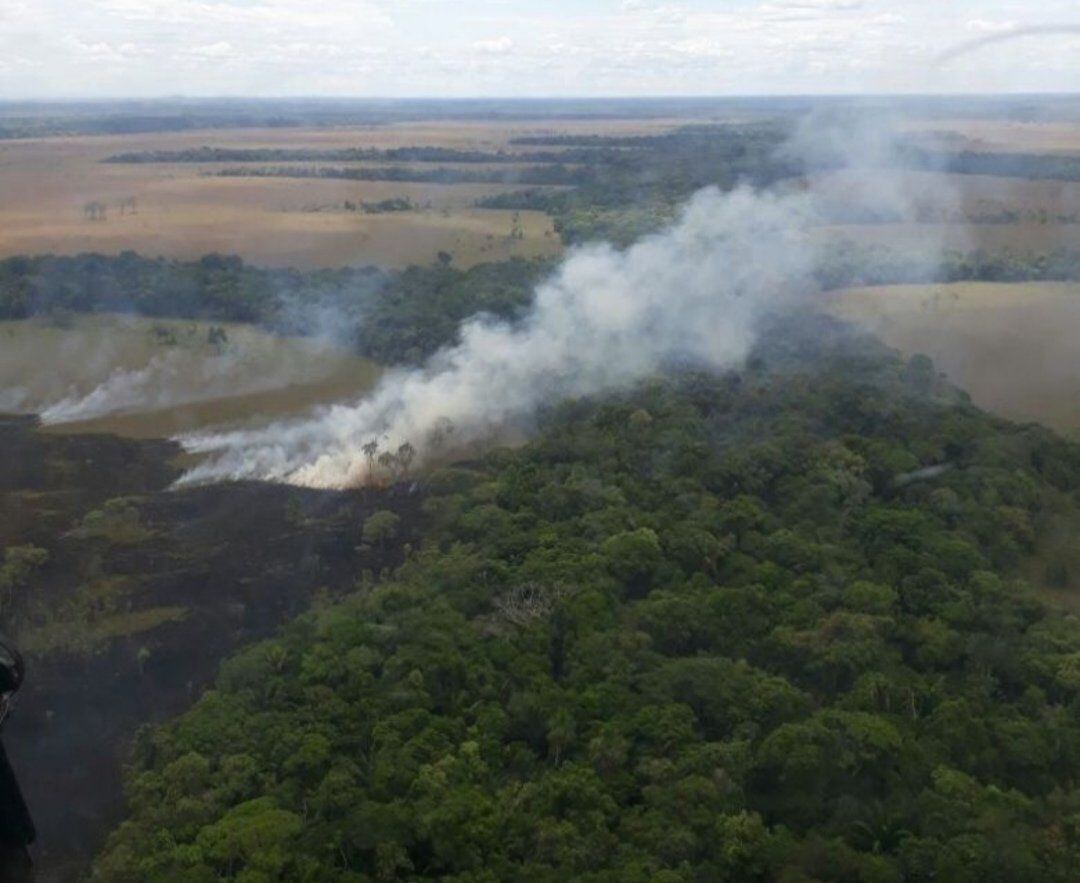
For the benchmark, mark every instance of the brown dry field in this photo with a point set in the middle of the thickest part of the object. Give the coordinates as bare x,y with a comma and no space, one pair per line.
960,198
996,136
184,213
928,239
1013,347
960,208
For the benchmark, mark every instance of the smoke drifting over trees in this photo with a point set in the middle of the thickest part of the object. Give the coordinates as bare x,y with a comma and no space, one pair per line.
694,292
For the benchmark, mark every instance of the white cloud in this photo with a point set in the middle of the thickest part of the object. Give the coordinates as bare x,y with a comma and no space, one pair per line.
221,49
496,46
982,26
508,47
820,4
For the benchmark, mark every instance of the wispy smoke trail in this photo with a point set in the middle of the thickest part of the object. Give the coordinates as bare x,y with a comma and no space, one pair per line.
181,375
168,380
970,46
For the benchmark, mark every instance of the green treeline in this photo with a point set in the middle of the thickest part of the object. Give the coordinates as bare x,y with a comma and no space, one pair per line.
605,173
649,176
382,207
396,316
848,263
1047,166
388,315
422,308
713,628
424,154
547,175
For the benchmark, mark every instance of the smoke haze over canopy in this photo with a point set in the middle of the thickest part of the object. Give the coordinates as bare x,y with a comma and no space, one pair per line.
604,319
696,291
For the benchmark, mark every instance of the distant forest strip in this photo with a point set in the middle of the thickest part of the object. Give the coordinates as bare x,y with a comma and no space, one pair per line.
34,119
729,140
849,263
207,154
533,175
606,172
399,316
577,219
1033,166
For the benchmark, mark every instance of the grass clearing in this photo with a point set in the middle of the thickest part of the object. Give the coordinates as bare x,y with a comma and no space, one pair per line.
982,200
1012,346
918,241
1007,136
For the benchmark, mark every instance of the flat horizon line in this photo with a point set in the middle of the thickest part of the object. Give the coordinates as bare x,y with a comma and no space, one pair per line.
82,99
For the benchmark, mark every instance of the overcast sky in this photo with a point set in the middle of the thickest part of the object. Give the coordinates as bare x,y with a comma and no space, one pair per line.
104,48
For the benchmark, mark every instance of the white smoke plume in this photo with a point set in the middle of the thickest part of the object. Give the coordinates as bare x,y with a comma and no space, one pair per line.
606,318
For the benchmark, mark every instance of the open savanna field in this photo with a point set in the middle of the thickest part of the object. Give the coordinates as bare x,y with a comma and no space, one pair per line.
1007,136
184,210
957,212
942,197
188,209
1013,347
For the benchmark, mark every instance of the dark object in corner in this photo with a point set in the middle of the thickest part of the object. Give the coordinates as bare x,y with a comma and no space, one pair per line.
16,826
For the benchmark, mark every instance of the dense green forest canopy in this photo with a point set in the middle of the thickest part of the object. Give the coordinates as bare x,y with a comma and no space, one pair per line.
755,626
760,625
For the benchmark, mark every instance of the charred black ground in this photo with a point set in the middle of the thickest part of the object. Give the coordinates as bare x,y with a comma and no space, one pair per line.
190,577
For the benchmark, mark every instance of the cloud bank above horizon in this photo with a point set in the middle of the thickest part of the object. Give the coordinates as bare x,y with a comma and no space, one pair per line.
510,48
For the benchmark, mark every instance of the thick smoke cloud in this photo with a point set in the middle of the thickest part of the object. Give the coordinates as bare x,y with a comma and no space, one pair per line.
605,318
696,291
